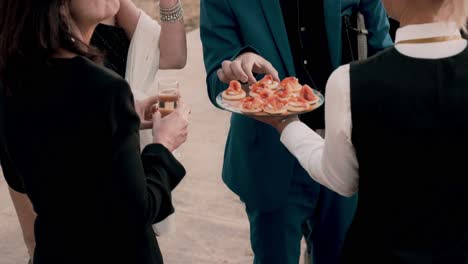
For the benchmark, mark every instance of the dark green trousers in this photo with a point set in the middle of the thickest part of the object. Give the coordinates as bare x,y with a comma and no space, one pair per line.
311,211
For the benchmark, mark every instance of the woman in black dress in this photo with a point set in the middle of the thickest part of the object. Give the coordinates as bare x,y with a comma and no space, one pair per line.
112,38
69,138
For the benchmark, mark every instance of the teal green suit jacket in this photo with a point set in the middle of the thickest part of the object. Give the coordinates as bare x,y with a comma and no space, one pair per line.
257,166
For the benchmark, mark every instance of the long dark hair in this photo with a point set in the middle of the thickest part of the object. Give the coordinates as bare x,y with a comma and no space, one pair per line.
31,31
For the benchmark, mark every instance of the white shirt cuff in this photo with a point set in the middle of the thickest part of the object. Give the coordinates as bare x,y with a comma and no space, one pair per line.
294,133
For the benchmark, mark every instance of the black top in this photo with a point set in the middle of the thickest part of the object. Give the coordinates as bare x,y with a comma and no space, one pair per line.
409,134
305,25
114,43
73,139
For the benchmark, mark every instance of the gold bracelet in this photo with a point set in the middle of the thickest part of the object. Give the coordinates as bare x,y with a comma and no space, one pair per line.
173,14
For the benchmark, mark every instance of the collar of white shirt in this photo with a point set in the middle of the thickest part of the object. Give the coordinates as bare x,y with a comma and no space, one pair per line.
434,50
429,30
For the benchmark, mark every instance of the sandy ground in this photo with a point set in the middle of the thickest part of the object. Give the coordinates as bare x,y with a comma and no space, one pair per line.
211,223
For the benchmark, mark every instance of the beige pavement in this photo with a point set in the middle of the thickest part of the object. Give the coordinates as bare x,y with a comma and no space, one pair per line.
211,224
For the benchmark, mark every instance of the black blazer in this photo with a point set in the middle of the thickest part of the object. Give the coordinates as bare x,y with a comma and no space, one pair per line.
71,142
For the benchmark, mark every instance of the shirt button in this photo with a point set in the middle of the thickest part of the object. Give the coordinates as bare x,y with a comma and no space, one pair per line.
305,62
303,29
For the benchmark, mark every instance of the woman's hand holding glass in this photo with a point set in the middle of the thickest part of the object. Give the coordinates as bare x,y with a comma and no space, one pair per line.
172,130
145,110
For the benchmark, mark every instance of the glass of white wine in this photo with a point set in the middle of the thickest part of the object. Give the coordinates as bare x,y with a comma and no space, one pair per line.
169,94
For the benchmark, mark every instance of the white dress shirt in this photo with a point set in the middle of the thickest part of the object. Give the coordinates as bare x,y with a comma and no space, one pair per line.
332,162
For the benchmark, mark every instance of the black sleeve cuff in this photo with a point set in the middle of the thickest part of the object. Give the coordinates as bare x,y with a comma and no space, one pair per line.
12,177
157,153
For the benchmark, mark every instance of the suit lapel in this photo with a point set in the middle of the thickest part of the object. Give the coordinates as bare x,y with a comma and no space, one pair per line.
274,16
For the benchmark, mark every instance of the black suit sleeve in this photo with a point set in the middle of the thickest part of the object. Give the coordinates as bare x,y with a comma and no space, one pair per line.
144,180
11,175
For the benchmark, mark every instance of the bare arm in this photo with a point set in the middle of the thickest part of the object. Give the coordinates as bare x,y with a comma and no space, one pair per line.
128,16
172,43
26,217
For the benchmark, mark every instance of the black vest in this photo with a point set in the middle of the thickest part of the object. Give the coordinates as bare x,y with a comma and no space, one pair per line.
410,124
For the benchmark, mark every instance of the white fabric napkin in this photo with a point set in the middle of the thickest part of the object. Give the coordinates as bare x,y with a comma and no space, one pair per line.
142,66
